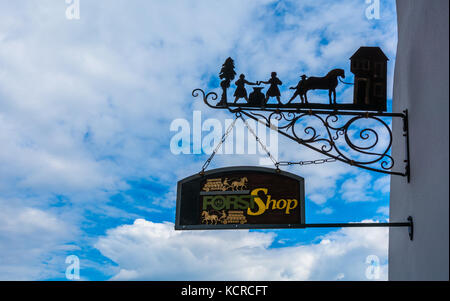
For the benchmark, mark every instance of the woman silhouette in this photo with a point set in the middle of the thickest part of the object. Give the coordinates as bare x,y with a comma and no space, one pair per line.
241,92
273,91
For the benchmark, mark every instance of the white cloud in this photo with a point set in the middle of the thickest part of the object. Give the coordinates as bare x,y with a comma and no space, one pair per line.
383,210
358,189
32,242
154,251
167,200
383,184
362,188
326,211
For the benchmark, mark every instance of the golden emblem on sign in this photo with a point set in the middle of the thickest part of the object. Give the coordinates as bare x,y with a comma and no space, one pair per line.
234,217
207,218
239,185
219,185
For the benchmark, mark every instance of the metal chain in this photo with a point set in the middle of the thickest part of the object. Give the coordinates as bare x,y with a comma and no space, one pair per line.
263,146
302,163
224,137
285,163
275,162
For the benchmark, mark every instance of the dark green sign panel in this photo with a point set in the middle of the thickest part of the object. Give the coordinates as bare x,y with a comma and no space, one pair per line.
241,198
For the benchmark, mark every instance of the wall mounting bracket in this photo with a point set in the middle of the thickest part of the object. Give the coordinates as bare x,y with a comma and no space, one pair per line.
409,224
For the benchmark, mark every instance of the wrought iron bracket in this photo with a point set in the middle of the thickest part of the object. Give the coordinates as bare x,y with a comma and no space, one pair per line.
335,138
409,224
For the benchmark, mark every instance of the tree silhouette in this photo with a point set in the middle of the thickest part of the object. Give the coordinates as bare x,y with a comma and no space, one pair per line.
227,74
227,71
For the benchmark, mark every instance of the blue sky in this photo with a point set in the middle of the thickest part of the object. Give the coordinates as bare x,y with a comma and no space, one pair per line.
85,113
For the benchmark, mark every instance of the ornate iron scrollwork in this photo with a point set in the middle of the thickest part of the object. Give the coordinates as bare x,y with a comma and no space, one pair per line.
334,133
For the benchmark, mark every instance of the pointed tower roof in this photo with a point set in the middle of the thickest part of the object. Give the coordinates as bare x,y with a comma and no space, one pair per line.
369,53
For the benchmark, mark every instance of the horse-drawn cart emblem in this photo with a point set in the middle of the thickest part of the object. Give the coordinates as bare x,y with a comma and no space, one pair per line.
219,185
232,217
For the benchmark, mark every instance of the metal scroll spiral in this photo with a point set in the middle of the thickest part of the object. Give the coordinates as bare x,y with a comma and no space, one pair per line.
369,138
206,97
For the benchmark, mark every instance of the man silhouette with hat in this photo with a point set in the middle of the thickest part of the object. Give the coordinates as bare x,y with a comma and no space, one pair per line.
299,90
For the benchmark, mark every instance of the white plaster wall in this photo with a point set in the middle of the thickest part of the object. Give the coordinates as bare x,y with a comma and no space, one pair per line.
421,85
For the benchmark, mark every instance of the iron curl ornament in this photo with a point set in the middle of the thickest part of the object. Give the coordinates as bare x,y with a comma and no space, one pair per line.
332,135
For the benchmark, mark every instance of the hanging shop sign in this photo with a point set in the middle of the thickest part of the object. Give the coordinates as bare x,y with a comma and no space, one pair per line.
241,198
261,198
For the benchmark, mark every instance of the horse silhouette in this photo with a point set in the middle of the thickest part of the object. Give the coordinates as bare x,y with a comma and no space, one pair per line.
206,218
239,184
328,82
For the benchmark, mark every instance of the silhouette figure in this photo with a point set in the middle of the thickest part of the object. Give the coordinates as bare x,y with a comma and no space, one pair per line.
328,82
299,90
273,91
241,92
227,73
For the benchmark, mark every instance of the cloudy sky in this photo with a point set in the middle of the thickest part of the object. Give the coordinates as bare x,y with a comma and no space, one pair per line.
86,167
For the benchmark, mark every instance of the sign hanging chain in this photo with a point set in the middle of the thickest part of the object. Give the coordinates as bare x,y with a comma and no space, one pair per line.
264,147
224,137
302,163
285,163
